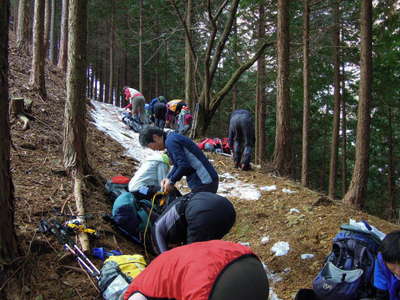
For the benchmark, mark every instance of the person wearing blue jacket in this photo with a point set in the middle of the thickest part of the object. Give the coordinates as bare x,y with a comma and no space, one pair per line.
387,268
187,159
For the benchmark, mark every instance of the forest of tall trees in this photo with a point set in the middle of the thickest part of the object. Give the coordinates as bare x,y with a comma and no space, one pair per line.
320,77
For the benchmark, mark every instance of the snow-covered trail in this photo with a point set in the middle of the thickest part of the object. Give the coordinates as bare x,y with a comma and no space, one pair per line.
106,118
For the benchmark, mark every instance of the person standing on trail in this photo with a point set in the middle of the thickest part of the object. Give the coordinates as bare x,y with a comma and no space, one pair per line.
241,138
159,114
137,101
187,159
212,270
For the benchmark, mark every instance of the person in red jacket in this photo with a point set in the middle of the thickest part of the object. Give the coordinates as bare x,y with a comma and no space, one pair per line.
212,270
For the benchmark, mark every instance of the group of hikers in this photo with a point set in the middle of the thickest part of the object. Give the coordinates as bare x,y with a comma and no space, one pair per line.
174,114
193,262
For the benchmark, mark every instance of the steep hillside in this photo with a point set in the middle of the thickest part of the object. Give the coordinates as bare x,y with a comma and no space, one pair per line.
305,219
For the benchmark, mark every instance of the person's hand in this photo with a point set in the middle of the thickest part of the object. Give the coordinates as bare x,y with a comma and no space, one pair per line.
166,186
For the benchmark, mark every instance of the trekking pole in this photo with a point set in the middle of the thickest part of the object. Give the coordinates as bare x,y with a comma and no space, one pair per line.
63,236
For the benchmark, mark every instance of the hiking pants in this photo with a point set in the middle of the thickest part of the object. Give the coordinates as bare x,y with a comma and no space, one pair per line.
245,278
241,137
138,107
160,111
211,187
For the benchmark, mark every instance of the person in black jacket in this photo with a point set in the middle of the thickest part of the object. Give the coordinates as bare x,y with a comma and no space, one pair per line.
159,114
195,217
241,138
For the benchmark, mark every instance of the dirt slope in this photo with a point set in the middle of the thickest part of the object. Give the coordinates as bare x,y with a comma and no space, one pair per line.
42,189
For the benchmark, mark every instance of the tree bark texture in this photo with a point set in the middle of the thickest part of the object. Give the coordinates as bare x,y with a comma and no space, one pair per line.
51,36
391,201
282,153
336,105
37,76
306,95
344,135
189,64
111,58
141,72
260,94
47,20
8,239
23,26
355,196
63,52
74,147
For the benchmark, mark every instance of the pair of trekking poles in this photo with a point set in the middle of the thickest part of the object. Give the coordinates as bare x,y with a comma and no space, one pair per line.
62,233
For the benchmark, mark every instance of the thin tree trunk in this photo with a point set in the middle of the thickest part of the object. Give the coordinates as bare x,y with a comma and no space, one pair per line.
106,79
189,78
325,163
8,239
344,135
355,196
52,27
101,80
63,52
391,169
23,26
260,95
141,71
111,59
47,16
336,108
282,152
37,78
306,96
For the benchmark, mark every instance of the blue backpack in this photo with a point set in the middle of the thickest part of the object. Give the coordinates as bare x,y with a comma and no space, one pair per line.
349,268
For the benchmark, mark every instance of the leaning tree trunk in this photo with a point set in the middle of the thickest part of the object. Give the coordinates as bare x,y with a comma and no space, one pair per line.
8,239
336,107
282,153
74,146
306,96
63,52
355,196
37,77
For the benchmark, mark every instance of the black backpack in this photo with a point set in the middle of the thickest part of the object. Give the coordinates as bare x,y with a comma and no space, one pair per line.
349,268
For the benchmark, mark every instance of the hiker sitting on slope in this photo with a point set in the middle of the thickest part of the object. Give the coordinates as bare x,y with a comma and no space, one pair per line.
213,270
193,218
188,160
241,138
387,268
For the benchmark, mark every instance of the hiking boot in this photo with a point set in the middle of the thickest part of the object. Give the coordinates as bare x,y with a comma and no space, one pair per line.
245,167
